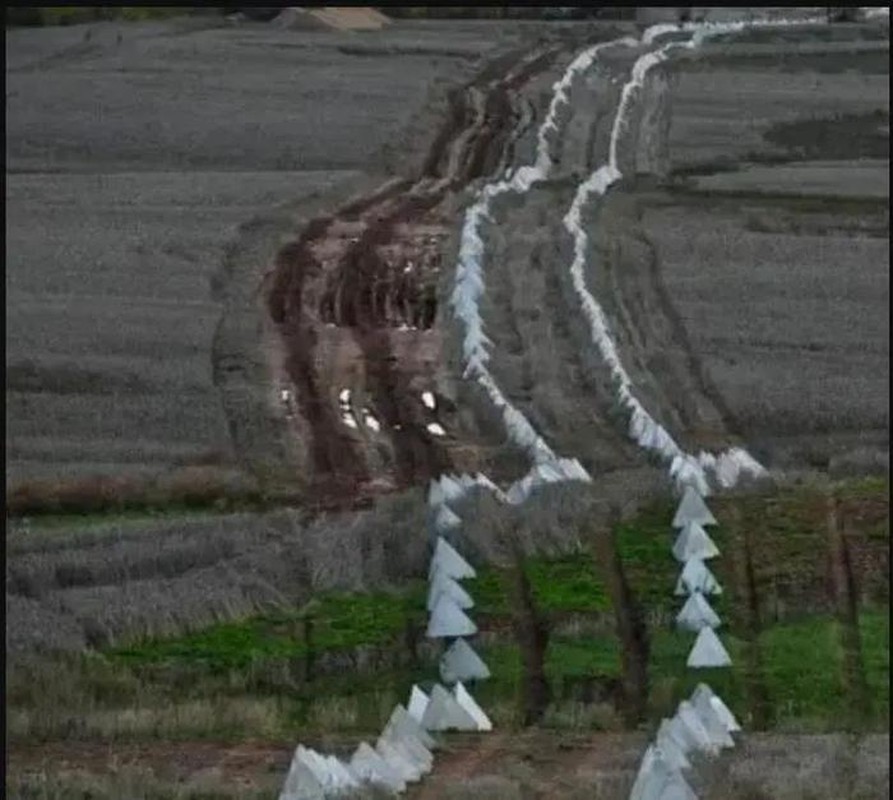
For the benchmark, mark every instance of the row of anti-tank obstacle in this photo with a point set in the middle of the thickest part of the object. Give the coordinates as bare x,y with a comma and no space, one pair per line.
403,752
703,724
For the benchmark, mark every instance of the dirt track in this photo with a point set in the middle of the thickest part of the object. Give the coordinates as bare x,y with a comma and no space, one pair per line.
535,764
370,272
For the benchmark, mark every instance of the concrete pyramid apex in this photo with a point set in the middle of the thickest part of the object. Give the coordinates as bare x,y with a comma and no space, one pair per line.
702,690
344,778
696,577
369,766
692,508
646,774
708,651
316,764
467,481
448,620
712,722
468,703
696,614
399,761
402,722
448,560
461,663
301,783
446,520
444,713
694,725
418,702
693,542
658,780
444,584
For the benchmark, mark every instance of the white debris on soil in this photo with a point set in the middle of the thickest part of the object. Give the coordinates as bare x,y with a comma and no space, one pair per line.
435,428
428,400
371,422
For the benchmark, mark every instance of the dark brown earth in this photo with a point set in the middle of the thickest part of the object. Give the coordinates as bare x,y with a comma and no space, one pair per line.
354,299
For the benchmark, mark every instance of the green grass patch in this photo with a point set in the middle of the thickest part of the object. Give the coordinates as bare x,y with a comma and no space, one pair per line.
260,660
787,529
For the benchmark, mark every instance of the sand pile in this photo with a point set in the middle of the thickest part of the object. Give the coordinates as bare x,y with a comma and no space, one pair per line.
341,18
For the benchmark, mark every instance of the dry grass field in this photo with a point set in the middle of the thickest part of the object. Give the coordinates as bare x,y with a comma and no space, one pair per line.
164,550
131,165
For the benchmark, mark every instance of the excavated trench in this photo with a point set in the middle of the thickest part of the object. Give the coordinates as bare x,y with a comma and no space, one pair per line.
354,300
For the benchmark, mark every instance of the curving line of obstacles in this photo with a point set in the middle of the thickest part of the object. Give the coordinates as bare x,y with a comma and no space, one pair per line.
469,287
729,466
702,724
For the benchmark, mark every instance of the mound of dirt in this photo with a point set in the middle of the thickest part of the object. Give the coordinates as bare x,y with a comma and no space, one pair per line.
340,18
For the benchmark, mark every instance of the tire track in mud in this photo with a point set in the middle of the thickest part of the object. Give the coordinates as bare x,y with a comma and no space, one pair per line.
342,274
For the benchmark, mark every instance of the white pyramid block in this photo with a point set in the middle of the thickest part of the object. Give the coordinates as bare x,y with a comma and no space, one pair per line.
444,713
721,709
402,739
404,723
692,508
448,561
301,783
467,481
317,765
443,584
708,651
693,542
645,775
452,488
446,520
344,778
468,703
448,620
418,702
696,614
411,749
711,720
690,718
397,760
696,577
658,780
369,766
461,663
675,751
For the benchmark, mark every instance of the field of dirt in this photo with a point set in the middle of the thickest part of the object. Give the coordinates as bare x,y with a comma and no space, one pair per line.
134,153
531,766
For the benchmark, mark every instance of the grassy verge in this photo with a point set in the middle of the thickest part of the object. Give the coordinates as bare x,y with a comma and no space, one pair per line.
249,677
